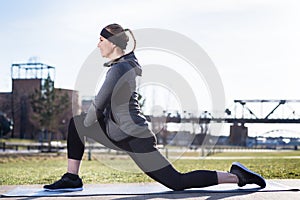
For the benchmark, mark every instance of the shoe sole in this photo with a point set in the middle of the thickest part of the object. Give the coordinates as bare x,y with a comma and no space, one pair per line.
251,172
64,190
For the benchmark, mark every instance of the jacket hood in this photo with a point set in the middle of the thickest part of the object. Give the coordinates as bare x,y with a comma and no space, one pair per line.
127,58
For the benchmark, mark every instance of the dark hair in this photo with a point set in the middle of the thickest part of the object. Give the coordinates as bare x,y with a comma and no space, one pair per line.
118,31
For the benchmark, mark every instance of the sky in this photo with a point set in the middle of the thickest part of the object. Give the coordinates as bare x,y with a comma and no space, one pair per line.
254,44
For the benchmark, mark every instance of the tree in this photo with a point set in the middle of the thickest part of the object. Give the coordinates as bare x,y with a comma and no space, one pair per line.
47,106
5,124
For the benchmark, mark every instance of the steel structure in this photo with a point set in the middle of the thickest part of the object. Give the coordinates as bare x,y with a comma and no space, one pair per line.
289,113
244,113
32,70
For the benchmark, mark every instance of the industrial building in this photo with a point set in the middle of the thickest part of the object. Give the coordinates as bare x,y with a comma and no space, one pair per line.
26,79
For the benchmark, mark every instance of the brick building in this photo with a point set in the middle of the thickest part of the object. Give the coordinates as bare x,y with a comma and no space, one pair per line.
16,105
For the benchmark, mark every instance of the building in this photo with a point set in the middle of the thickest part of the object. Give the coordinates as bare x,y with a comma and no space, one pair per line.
238,135
26,79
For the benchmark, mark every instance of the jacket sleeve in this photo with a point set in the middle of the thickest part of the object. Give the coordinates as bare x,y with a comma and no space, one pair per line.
104,95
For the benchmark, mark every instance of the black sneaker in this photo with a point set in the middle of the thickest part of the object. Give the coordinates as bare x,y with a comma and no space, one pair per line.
65,184
246,176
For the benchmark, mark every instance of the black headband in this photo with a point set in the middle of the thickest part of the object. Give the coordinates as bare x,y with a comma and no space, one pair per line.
106,34
118,39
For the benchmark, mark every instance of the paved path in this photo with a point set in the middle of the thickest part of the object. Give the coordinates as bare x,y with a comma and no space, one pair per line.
275,190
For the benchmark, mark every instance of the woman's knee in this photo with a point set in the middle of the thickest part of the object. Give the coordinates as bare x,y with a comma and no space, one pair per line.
169,177
74,125
75,121
176,184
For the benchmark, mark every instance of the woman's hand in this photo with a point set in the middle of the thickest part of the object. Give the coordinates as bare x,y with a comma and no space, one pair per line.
91,116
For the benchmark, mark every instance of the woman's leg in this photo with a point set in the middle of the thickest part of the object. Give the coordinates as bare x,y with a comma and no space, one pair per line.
73,166
226,177
70,181
75,147
155,165
75,141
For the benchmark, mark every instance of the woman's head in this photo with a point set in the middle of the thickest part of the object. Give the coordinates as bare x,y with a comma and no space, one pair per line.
113,41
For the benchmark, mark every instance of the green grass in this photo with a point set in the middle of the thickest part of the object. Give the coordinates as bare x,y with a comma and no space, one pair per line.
259,154
41,169
17,140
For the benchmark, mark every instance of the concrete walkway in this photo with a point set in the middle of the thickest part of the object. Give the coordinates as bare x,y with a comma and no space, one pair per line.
275,190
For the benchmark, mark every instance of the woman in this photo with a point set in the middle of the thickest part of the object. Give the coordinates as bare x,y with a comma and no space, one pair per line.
115,120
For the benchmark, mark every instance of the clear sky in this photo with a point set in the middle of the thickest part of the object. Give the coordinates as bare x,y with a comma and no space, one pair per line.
254,44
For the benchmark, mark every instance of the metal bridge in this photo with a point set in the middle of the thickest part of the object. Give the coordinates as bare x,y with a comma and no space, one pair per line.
242,112
281,111
247,111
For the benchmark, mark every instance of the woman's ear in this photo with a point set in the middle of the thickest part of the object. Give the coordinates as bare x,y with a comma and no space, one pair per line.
114,46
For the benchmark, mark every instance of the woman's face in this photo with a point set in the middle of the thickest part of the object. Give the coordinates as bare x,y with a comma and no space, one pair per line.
106,47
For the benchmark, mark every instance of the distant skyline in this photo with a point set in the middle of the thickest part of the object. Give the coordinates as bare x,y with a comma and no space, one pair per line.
254,44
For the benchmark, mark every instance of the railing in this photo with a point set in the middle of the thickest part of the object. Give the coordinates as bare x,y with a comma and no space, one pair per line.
44,146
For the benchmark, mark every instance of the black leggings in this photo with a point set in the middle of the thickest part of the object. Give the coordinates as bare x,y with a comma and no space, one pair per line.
144,153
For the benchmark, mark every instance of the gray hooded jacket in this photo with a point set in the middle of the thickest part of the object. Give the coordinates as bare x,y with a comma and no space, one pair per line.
117,101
